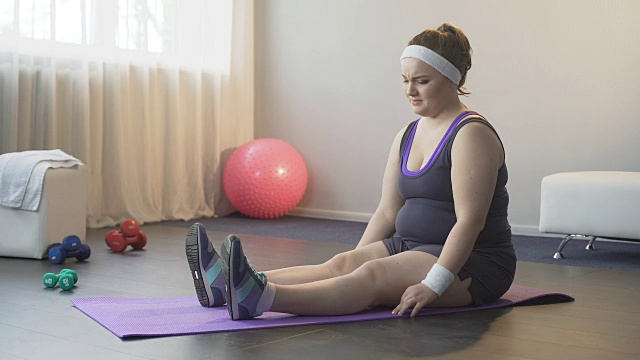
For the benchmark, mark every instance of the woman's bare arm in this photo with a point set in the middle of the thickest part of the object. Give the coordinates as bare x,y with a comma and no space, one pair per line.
476,156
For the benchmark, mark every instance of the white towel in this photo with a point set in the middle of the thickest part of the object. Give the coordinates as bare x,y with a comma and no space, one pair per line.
22,175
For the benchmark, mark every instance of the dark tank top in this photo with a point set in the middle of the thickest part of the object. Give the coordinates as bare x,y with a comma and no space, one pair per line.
428,214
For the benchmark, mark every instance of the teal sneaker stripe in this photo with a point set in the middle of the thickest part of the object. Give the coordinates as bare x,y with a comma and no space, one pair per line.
245,290
212,273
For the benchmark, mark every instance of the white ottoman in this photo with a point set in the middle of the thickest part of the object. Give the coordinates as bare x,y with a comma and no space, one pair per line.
62,212
592,203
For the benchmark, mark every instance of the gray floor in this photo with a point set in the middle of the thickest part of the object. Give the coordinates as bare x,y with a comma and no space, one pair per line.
612,255
40,323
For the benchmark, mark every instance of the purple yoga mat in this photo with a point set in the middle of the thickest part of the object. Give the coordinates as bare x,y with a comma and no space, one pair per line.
126,317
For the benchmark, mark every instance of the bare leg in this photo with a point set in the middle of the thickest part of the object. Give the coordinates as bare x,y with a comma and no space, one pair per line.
377,282
340,264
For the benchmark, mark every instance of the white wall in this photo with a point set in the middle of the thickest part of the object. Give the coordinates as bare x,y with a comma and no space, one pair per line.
559,79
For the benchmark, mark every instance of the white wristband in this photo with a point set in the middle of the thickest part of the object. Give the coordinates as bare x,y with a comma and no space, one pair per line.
438,279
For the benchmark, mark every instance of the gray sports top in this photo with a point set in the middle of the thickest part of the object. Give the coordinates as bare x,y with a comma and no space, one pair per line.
428,214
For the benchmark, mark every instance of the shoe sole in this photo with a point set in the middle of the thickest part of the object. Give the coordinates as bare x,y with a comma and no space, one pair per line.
192,246
228,264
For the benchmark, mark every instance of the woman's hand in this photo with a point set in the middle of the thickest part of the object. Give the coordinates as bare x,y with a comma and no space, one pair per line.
416,296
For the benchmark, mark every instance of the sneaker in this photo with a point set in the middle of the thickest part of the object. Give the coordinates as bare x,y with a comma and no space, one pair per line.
244,284
206,266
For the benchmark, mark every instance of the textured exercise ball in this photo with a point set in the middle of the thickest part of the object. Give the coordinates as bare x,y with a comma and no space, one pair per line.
265,178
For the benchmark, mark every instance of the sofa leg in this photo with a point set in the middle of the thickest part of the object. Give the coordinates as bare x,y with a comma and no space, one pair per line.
590,245
558,254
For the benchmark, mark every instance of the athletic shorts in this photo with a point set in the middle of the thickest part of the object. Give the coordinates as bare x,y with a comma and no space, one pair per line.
491,269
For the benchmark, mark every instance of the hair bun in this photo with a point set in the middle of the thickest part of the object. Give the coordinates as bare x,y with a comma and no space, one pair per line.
448,27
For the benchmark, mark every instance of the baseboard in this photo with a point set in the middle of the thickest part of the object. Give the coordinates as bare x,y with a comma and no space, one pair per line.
525,230
331,214
531,230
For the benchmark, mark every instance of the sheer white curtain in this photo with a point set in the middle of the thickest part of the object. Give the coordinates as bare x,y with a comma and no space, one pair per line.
151,95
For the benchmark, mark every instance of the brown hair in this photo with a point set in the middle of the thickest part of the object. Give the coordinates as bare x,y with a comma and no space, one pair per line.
452,44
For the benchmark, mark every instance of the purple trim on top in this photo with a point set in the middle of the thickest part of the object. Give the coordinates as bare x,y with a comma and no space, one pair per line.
438,150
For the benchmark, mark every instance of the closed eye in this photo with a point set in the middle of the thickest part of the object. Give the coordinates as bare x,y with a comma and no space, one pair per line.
422,80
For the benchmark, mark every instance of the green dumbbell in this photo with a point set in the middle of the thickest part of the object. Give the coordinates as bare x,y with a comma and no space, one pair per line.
72,273
67,279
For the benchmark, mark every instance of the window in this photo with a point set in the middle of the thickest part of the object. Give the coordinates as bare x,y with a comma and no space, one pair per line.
184,32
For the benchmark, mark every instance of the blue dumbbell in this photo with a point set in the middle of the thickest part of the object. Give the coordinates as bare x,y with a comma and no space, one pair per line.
58,252
70,247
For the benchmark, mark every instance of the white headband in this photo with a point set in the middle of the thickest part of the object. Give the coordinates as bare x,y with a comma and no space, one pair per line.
434,59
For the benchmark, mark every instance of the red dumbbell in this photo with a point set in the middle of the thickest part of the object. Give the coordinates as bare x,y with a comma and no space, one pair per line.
129,228
118,242
135,237
110,234
129,234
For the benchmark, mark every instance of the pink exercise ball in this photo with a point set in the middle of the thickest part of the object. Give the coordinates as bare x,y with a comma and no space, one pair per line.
265,178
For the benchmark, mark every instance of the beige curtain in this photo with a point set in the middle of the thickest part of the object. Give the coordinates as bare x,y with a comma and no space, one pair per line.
153,136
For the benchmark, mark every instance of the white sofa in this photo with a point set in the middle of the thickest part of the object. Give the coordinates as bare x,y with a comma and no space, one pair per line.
62,212
591,204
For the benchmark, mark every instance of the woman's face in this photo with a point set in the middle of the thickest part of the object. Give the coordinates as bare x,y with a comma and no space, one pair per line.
428,91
